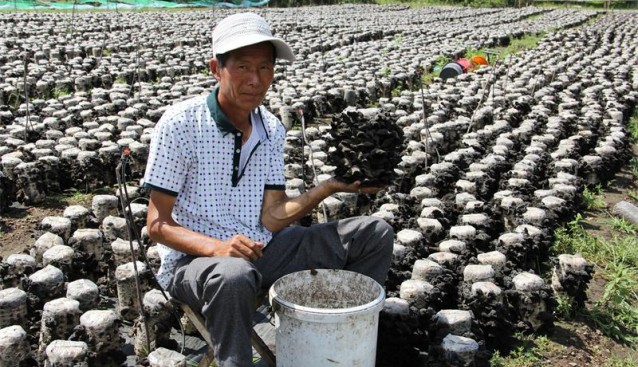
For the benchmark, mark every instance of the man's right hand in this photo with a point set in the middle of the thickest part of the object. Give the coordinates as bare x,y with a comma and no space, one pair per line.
239,246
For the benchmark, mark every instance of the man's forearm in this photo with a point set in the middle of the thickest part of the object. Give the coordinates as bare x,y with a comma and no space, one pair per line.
287,210
181,239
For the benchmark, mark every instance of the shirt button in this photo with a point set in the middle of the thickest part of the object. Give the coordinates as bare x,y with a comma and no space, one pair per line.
236,168
238,134
238,150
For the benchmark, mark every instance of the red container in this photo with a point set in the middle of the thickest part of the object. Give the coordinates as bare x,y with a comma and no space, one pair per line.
465,64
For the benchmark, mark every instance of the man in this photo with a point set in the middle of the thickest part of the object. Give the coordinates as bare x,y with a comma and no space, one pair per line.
218,208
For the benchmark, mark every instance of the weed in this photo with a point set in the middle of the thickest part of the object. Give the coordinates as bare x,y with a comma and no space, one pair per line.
572,238
529,354
79,198
106,52
71,198
470,53
397,40
565,307
396,92
633,195
60,92
13,99
593,198
120,80
520,356
628,361
517,45
633,167
615,313
632,126
386,71
623,225
441,61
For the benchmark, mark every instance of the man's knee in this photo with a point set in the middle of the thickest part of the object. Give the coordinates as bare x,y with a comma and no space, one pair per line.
204,279
381,230
233,273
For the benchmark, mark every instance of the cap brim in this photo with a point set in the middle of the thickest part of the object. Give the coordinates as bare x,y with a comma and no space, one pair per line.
283,50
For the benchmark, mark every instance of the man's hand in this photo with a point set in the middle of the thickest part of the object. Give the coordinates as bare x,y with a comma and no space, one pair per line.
162,228
239,246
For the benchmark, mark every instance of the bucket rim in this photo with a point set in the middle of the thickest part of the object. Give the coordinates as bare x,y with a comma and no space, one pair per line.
371,306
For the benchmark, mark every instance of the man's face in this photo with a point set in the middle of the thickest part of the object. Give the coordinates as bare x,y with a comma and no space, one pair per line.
245,77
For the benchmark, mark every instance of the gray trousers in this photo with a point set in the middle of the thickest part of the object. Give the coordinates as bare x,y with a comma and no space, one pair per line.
224,289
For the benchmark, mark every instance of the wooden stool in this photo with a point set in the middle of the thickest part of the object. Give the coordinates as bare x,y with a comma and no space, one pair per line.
198,321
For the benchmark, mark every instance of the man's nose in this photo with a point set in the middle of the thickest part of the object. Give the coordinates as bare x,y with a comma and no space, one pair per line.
253,77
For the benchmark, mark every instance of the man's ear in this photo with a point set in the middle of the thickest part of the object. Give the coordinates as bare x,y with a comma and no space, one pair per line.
215,69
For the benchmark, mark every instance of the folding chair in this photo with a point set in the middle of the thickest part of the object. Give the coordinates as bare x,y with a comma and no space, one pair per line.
198,321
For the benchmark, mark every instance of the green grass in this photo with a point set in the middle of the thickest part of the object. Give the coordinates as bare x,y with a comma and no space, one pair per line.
622,225
628,361
72,198
633,167
60,92
633,195
517,45
615,313
120,80
593,198
79,198
632,125
13,100
397,40
565,307
530,353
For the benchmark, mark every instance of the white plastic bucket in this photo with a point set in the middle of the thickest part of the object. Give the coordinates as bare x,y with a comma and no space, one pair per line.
326,318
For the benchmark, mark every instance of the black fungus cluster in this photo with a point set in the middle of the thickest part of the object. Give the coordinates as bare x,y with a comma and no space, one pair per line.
366,149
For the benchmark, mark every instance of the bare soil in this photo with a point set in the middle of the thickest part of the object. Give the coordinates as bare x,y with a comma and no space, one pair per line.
19,224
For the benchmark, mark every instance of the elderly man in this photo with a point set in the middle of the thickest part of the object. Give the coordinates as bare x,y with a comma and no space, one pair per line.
218,209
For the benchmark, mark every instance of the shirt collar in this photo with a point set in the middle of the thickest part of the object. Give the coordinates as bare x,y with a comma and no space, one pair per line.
222,121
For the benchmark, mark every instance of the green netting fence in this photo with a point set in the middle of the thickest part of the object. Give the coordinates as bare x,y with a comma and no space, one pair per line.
124,4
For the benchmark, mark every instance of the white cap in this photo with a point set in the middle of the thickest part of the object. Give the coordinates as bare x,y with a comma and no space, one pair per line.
245,29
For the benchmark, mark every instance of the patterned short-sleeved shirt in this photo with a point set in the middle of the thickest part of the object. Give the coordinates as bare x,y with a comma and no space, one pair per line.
195,156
